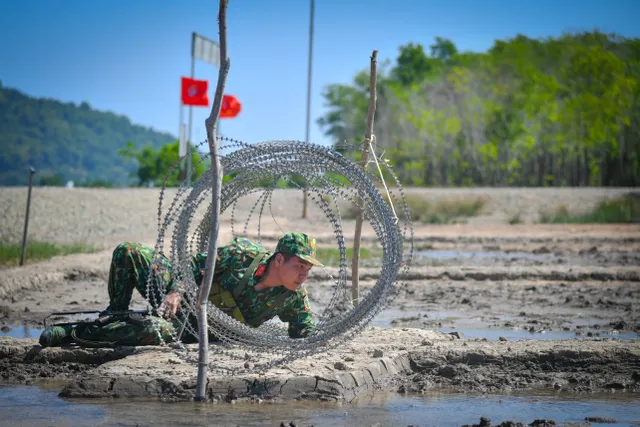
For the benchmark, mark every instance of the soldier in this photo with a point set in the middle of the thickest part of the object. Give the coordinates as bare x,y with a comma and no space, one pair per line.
249,283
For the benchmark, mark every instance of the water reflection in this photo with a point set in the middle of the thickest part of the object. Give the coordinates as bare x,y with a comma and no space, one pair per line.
20,331
473,328
453,255
31,406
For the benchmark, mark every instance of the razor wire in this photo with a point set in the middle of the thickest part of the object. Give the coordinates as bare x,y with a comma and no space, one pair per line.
333,183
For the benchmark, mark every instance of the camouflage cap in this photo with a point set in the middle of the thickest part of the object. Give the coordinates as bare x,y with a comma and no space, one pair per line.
300,245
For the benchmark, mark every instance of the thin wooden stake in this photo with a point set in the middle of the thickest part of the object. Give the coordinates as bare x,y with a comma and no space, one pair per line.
355,280
211,124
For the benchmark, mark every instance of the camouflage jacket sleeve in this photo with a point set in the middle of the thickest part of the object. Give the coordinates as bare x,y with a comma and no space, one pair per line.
226,257
198,264
298,314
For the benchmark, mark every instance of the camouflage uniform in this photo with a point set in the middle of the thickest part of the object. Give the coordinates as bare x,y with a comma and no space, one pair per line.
130,269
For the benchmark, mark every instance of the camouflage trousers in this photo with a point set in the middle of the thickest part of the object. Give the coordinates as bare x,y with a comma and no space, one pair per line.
129,271
122,331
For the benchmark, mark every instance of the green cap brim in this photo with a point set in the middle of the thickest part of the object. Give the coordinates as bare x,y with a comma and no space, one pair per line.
310,259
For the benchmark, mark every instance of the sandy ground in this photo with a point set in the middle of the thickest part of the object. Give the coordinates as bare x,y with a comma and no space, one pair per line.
527,280
105,217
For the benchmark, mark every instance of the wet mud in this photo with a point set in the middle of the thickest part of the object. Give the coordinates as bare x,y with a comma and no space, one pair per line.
582,285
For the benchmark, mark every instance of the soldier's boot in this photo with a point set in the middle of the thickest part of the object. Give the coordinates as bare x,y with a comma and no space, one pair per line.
56,335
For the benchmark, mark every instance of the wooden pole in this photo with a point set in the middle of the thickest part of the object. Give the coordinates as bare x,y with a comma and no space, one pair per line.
216,183
26,217
355,280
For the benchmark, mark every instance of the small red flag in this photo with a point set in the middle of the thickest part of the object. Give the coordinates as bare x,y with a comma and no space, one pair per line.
194,92
231,107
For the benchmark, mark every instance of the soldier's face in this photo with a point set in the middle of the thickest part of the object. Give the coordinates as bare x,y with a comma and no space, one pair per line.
294,272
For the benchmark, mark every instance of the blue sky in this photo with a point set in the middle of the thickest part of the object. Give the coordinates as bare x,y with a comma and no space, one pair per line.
128,56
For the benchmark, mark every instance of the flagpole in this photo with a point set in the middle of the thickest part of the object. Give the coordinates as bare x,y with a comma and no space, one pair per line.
193,66
180,132
304,196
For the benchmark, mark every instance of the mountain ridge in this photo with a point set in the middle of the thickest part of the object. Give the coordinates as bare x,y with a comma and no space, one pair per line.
67,140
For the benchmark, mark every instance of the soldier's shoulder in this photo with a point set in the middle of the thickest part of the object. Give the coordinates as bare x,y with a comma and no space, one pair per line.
246,247
301,292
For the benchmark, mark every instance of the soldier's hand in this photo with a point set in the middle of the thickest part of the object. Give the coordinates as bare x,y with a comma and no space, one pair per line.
171,304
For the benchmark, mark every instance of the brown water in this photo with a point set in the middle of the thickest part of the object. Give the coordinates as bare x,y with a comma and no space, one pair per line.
41,406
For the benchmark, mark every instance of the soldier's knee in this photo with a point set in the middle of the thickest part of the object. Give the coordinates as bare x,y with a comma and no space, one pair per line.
125,248
132,251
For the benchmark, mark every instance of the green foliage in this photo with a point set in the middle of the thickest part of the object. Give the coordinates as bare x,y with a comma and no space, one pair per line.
157,165
330,257
56,180
228,177
623,210
51,180
516,218
10,253
297,181
413,65
445,211
96,183
528,112
65,141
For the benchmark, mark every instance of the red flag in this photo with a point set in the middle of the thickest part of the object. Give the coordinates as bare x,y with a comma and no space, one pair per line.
194,92
231,107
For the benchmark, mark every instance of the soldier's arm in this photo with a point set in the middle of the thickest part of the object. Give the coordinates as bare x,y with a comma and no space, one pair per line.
198,264
176,287
298,315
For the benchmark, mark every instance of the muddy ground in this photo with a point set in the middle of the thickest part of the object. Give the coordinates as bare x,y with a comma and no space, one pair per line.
467,281
574,287
547,281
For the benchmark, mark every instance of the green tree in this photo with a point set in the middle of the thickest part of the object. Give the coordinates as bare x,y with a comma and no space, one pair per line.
157,165
413,65
51,180
443,49
535,112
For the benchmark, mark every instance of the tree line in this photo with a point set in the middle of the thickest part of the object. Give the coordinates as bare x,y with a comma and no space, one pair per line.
528,112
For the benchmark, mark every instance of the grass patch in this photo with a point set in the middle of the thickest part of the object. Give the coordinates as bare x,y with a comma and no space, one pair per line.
447,211
515,219
424,247
617,211
331,256
10,253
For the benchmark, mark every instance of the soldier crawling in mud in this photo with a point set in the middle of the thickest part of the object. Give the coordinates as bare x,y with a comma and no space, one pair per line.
249,283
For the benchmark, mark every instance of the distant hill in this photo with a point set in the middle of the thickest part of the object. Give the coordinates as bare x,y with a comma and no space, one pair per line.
73,141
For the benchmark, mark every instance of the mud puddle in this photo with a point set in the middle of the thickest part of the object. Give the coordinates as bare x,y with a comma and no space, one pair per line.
477,328
40,405
459,322
535,257
452,255
21,331
514,335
